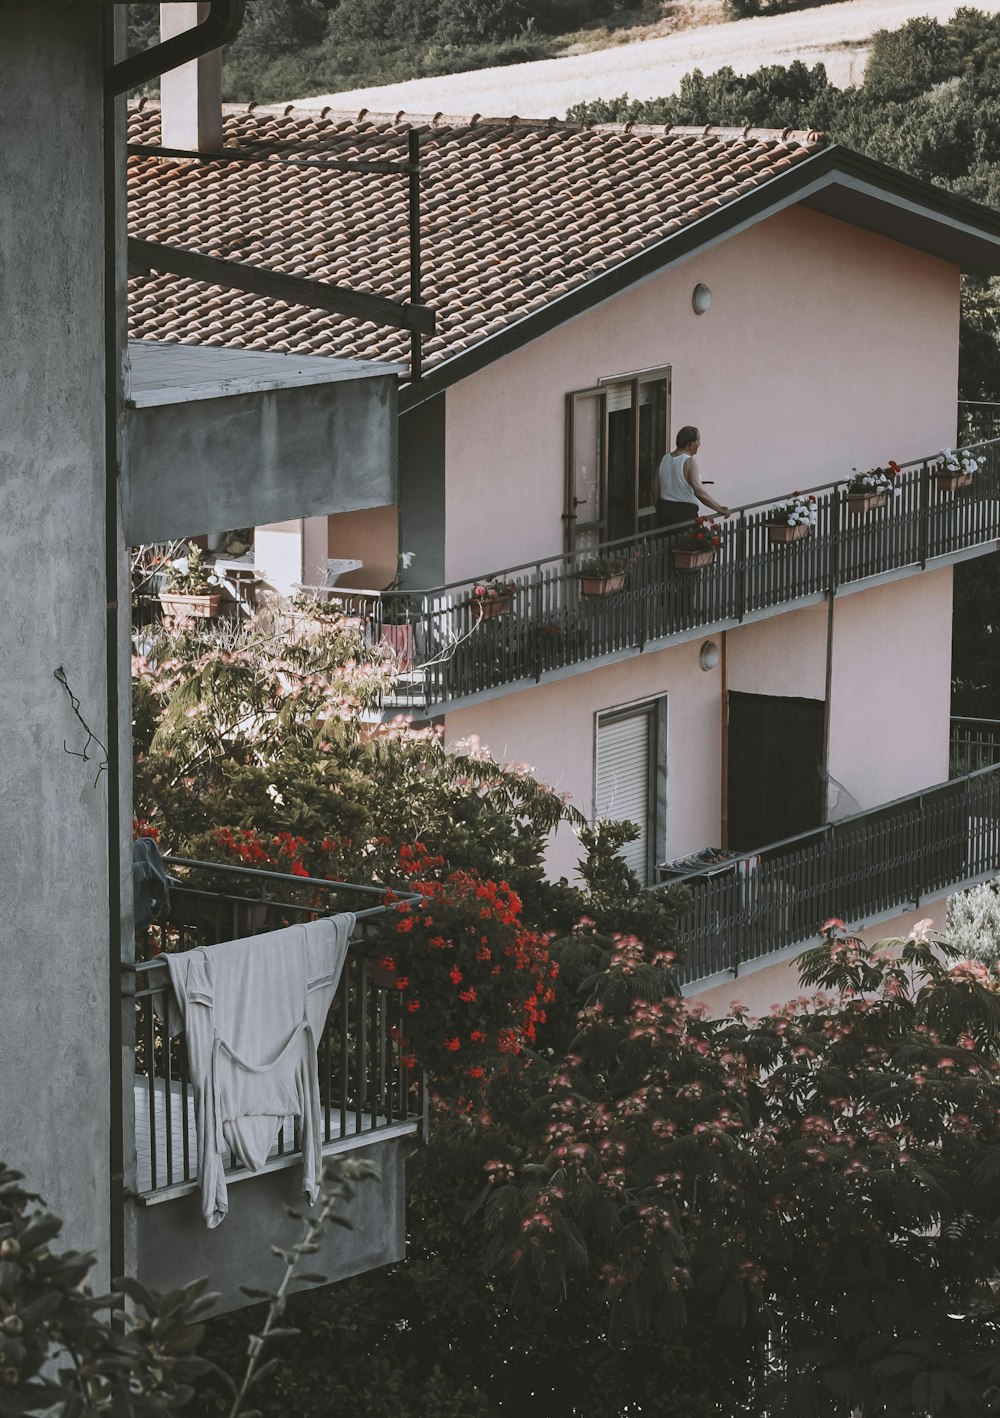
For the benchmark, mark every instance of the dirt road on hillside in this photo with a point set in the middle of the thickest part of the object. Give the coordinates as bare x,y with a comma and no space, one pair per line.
835,35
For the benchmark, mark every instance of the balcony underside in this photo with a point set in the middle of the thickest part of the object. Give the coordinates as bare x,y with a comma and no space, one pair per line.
221,438
173,1245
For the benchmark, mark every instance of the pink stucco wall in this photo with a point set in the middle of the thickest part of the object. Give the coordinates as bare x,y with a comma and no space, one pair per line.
891,689
890,678
785,655
551,728
825,347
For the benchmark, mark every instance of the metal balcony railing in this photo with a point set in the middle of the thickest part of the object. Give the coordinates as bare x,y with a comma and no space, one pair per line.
365,1088
978,420
872,862
974,743
449,650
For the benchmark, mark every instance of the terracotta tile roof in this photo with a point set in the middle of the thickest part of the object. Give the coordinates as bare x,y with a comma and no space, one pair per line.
515,213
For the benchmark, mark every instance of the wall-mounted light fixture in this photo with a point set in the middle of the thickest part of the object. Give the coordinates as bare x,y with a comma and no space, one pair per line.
701,298
709,655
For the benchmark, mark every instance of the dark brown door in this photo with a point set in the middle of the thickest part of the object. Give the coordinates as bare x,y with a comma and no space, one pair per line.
775,768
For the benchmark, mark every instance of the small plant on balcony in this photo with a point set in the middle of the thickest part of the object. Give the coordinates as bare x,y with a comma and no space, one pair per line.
956,469
189,576
872,487
493,590
612,564
799,510
600,575
696,547
792,519
493,597
192,591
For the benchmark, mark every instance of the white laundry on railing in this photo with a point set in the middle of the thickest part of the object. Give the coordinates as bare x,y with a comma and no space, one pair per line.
252,1011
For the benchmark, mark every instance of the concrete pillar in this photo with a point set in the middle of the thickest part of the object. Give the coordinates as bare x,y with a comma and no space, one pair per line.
191,95
55,1099
292,554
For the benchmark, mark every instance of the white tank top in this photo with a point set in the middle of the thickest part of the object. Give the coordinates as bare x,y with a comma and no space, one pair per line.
674,486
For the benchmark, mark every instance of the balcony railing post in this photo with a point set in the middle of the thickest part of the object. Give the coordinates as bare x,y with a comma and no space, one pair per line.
836,504
925,511
536,620
741,577
426,652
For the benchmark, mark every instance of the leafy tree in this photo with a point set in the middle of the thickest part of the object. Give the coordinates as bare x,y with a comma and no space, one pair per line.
905,63
266,734
656,1213
59,1356
58,1352
274,27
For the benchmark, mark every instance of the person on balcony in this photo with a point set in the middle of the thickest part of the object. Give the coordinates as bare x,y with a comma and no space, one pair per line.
681,488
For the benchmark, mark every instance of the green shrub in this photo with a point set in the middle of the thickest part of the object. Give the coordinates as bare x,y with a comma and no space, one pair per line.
56,1346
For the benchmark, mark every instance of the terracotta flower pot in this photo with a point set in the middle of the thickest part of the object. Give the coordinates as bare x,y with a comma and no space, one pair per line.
180,610
951,482
782,532
693,560
858,503
602,585
490,608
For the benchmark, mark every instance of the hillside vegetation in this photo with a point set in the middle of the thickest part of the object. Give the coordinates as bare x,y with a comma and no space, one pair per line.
929,104
287,47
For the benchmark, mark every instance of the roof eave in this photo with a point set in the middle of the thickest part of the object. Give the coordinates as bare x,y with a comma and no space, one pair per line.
835,181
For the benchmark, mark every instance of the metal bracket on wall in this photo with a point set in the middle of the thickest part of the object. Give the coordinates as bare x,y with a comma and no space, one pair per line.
220,25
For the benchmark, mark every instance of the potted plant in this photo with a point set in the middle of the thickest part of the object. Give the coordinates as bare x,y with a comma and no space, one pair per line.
192,591
793,519
696,547
600,575
396,630
870,489
494,597
955,469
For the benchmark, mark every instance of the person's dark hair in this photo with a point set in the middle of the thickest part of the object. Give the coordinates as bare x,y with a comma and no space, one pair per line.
686,436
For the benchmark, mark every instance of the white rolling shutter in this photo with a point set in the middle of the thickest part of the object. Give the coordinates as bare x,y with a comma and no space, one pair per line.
623,790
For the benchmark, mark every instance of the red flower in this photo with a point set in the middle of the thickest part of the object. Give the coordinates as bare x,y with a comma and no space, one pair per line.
455,975
468,996
452,1045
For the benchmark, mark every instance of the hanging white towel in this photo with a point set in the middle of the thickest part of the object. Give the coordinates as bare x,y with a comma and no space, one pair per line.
253,1011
